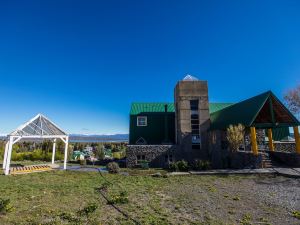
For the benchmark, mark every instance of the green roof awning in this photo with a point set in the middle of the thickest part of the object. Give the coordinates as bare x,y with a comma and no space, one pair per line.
264,110
158,107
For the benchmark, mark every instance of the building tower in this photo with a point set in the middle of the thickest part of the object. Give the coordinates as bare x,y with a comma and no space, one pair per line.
192,118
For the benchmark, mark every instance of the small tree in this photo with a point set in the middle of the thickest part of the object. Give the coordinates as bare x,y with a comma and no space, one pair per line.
100,151
292,100
235,136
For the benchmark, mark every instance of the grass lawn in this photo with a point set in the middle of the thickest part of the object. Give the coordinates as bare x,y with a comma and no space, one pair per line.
67,197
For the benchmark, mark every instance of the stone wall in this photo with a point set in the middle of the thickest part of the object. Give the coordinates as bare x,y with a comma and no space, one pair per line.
287,158
241,160
155,154
285,146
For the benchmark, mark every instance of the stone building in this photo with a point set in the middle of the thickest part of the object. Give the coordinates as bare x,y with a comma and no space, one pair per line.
193,128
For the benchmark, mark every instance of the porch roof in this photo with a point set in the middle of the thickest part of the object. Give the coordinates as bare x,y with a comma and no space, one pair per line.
264,111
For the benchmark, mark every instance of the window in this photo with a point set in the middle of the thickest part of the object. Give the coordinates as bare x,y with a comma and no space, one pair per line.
140,158
142,121
196,139
195,124
194,104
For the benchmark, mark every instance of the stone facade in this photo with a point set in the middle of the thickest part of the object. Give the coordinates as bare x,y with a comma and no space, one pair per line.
289,147
185,92
157,155
287,158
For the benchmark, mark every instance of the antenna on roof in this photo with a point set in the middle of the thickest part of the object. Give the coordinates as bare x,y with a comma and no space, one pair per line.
189,77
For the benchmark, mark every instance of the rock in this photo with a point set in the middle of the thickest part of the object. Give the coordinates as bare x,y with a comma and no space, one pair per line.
156,175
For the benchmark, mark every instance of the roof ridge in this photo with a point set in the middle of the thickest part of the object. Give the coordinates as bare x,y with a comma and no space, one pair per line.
245,100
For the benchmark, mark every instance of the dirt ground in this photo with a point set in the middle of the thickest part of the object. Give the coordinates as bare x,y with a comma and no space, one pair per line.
60,197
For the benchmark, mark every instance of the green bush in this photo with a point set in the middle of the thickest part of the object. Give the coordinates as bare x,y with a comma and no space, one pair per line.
181,165
36,155
201,164
144,164
1,153
121,198
5,206
113,167
86,211
173,166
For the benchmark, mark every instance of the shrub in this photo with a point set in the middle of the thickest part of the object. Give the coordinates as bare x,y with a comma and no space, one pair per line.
173,166
296,214
144,164
201,165
121,198
113,167
235,136
181,165
5,206
86,211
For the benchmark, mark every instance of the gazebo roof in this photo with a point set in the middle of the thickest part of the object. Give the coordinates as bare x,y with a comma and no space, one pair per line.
38,126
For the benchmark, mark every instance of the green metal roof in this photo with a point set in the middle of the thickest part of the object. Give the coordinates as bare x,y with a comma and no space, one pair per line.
214,107
221,114
244,112
137,108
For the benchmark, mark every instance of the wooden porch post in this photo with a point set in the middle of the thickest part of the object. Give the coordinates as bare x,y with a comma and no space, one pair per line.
253,141
297,139
270,136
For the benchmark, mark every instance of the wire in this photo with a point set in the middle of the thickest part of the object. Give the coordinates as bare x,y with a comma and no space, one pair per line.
128,217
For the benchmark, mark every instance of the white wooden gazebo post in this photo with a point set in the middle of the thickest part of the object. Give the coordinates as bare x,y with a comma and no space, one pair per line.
7,164
66,152
53,151
5,154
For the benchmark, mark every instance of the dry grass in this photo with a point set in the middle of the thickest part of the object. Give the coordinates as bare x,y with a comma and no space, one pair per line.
55,198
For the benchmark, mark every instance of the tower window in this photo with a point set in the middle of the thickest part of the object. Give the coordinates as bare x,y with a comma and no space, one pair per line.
194,104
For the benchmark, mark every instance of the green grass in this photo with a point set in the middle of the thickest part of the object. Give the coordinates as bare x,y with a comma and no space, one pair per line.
66,197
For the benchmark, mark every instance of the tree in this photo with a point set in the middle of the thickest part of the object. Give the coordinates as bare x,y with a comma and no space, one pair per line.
235,136
100,154
292,100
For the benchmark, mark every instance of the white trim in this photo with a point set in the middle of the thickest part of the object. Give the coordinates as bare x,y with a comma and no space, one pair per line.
53,151
7,164
39,136
40,129
142,117
5,155
141,141
66,153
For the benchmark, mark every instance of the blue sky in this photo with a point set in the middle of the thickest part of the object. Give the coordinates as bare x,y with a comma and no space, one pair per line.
82,63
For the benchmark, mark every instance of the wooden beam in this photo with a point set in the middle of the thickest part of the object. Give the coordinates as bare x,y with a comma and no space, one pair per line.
253,141
272,111
270,136
297,139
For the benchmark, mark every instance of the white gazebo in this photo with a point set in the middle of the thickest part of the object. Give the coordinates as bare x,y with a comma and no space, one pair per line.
38,127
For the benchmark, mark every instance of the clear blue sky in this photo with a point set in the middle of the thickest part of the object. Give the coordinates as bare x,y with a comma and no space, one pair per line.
82,63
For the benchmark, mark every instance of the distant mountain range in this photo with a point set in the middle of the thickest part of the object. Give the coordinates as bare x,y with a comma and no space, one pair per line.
99,138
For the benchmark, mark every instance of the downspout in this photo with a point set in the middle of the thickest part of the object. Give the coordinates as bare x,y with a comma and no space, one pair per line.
166,125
